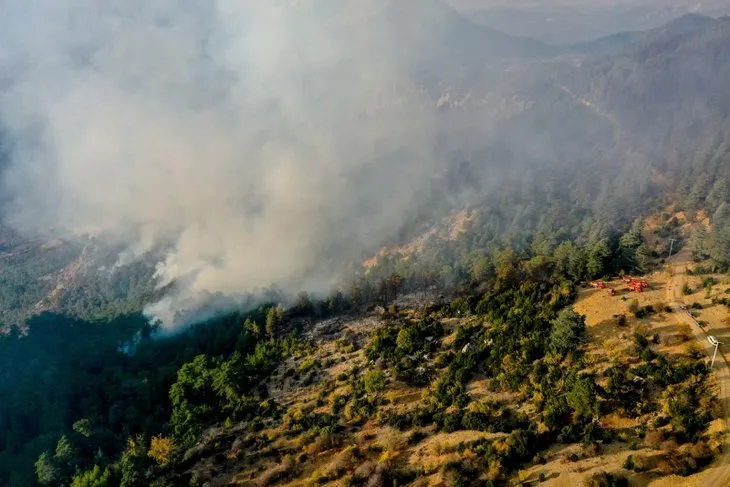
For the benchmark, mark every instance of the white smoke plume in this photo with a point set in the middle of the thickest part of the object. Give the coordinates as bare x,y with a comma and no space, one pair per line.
263,141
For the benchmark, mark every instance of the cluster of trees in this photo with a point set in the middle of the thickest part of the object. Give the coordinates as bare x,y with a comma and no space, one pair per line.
78,393
527,341
406,347
713,244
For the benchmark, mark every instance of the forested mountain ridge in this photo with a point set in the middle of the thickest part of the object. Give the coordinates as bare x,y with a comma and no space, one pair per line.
669,83
570,22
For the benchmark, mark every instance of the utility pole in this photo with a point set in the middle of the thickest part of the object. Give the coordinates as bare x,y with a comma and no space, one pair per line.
713,341
671,246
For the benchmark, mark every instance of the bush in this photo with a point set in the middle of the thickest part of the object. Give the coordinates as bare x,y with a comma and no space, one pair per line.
647,355
277,473
604,479
708,282
374,381
568,330
653,439
701,452
161,449
307,365
97,477
686,289
641,463
640,341
685,331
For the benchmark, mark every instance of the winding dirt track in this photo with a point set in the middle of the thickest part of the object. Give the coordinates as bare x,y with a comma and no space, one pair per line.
718,474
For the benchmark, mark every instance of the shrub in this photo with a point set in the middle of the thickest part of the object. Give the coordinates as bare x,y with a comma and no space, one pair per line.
653,439
322,443
604,479
307,365
374,381
640,341
647,355
337,467
708,282
685,331
97,477
364,471
277,473
161,449
415,437
701,452
641,463
686,289
568,330
679,464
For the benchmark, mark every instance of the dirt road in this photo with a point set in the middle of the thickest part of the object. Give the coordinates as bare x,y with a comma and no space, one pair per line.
718,474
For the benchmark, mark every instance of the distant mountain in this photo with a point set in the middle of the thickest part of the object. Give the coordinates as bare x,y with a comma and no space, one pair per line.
566,23
609,120
416,20
430,35
611,43
685,24
670,87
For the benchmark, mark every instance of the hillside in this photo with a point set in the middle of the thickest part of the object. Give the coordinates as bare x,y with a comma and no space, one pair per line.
460,338
487,388
669,85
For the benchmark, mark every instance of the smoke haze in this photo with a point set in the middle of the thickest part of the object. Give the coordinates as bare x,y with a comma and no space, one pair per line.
260,142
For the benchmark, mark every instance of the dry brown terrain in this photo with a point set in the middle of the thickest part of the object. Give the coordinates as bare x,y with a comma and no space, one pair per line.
666,290
310,380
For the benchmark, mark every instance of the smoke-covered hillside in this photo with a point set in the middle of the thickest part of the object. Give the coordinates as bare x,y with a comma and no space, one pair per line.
379,99
286,184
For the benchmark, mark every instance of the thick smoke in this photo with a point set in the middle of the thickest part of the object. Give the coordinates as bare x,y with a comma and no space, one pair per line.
260,141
